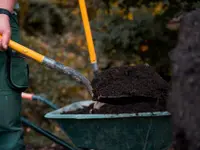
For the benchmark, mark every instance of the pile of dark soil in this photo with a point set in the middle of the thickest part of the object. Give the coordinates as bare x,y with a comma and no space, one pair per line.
128,84
128,90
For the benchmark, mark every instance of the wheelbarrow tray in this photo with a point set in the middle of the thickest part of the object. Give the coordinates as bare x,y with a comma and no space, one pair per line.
135,131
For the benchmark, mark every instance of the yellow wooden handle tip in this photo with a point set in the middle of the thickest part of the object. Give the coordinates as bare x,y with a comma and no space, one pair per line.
25,51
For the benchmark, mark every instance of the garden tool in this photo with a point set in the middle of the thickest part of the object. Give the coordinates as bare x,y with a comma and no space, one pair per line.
89,38
50,63
91,49
101,100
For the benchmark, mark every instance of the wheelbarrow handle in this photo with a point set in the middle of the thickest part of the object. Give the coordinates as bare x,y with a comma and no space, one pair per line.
33,97
48,134
50,63
27,96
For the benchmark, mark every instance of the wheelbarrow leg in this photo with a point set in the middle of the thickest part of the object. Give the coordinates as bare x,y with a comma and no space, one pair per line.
47,134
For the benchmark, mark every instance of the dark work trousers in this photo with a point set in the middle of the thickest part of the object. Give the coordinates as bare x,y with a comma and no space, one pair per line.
13,80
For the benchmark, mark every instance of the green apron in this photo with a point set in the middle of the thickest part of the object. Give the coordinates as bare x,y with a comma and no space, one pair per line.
13,80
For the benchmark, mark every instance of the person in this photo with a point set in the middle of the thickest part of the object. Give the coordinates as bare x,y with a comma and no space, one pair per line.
13,80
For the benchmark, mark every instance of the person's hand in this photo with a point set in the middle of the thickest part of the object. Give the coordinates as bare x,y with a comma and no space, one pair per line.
5,31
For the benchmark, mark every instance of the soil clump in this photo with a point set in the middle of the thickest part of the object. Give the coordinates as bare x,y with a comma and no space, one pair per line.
128,89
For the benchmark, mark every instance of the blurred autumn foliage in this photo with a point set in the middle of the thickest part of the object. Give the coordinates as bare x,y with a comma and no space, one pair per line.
125,32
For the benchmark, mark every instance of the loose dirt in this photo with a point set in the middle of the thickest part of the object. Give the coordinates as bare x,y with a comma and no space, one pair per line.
128,90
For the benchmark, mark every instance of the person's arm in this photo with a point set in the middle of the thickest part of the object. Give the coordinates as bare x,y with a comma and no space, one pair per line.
5,29
8,4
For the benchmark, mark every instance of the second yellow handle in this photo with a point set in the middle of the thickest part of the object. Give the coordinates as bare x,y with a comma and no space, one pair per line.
87,31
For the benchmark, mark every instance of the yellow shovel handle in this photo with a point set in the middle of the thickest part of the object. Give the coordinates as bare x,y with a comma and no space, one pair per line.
51,64
26,51
87,31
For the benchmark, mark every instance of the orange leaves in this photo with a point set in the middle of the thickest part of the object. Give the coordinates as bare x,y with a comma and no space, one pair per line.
159,8
76,12
118,11
144,48
76,40
115,3
154,9
130,16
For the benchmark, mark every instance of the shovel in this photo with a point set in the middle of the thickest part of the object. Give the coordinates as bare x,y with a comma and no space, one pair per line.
90,43
88,35
52,64
92,54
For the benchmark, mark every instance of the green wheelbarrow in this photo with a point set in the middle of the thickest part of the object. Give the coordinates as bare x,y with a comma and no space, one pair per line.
141,131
